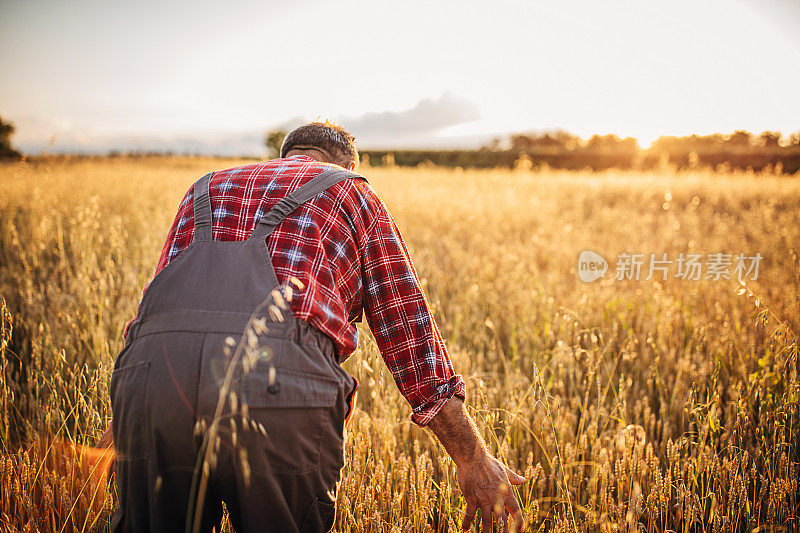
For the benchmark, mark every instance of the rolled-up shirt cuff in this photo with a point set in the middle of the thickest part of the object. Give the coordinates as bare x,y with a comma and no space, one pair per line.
127,328
425,412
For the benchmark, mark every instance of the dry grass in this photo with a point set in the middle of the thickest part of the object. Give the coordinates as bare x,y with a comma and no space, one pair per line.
636,405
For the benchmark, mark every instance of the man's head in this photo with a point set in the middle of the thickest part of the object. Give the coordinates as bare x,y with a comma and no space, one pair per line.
324,141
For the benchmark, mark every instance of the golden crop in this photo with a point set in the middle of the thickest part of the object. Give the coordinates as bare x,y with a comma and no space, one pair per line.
628,405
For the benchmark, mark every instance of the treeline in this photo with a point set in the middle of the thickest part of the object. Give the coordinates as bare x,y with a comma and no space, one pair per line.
740,150
6,132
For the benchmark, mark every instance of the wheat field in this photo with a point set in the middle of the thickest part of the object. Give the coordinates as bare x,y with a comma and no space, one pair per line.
629,405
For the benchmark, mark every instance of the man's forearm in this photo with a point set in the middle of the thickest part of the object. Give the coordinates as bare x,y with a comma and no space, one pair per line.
456,430
485,482
107,438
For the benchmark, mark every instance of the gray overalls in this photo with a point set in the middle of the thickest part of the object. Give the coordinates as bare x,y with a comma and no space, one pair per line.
280,449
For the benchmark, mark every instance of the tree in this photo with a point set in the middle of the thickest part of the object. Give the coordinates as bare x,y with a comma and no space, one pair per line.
273,141
493,144
770,139
740,139
6,132
611,143
553,141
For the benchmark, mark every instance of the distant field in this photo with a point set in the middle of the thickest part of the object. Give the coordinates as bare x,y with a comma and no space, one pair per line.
643,405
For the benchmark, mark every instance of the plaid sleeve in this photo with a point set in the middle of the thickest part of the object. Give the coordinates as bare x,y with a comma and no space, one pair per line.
402,323
178,238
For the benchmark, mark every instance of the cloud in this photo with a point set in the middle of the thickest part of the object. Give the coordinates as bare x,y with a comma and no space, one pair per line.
87,142
426,117
416,127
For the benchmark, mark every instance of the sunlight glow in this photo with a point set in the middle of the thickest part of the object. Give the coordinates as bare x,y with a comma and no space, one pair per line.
214,76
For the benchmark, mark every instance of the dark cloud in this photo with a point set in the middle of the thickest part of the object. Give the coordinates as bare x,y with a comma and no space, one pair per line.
428,116
417,127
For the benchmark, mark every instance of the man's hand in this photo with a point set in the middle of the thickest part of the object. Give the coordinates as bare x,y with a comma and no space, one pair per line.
486,485
485,482
106,439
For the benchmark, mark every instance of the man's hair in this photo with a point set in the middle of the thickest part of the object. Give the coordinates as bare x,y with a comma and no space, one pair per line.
328,136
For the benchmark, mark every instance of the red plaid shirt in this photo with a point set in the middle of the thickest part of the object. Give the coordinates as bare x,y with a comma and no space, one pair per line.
346,249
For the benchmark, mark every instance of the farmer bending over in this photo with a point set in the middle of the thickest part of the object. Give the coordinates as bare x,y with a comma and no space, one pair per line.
307,222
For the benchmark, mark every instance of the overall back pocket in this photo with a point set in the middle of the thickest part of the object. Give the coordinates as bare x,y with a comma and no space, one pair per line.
288,413
131,426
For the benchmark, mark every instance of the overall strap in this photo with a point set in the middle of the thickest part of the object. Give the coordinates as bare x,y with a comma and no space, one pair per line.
327,178
202,209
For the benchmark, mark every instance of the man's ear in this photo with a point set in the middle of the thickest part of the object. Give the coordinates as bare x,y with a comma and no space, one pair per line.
351,166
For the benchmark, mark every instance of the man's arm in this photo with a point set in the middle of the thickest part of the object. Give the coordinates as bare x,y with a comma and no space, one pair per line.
485,482
107,438
399,316
412,347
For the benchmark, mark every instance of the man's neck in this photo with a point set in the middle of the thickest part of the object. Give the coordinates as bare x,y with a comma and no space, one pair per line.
314,153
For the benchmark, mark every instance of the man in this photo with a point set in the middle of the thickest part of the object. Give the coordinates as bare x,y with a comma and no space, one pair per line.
215,399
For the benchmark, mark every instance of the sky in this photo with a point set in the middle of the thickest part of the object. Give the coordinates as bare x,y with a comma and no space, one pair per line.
212,77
